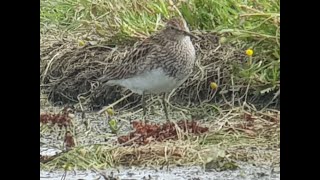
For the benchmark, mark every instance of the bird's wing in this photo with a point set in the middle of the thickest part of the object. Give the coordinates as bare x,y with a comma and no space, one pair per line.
134,62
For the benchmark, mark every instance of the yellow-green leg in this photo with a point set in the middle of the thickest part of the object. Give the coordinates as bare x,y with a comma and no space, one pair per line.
165,105
144,107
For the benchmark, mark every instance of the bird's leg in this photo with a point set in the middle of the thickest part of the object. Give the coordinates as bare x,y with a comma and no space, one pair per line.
144,107
165,106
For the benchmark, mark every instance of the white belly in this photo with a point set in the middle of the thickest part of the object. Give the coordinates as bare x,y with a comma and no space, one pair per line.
155,82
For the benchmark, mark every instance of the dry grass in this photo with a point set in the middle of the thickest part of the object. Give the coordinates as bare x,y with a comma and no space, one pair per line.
239,134
78,38
247,24
69,73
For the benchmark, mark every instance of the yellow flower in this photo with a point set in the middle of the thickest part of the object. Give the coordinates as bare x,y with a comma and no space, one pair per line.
213,85
81,43
82,152
110,112
249,52
67,167
223,40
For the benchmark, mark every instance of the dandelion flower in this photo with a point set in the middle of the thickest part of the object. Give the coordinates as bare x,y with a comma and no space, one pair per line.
249,52
213,85
81,43
223,40
110,112
67,167
82,152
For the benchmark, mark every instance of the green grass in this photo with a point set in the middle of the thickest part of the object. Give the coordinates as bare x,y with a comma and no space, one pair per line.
250,24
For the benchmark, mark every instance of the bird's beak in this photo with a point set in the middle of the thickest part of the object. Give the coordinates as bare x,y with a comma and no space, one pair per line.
190,34
186,33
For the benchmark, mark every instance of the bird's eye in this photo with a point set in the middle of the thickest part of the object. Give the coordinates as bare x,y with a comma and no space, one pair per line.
173,28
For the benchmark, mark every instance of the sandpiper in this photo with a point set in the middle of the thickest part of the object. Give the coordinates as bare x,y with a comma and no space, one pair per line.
158,64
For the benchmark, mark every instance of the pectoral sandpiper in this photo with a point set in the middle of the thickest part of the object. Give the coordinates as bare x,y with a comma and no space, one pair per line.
159,64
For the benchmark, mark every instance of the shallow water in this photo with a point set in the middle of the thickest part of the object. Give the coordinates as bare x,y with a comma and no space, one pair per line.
245,172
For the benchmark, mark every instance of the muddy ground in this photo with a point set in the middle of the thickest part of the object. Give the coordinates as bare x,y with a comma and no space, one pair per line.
52,142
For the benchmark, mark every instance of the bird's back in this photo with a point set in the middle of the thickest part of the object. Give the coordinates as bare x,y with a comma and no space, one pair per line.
155,65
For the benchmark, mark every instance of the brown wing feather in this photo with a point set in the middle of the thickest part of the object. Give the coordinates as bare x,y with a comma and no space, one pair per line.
134,62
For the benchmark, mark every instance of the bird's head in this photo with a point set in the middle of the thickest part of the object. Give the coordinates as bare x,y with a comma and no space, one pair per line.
177,27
